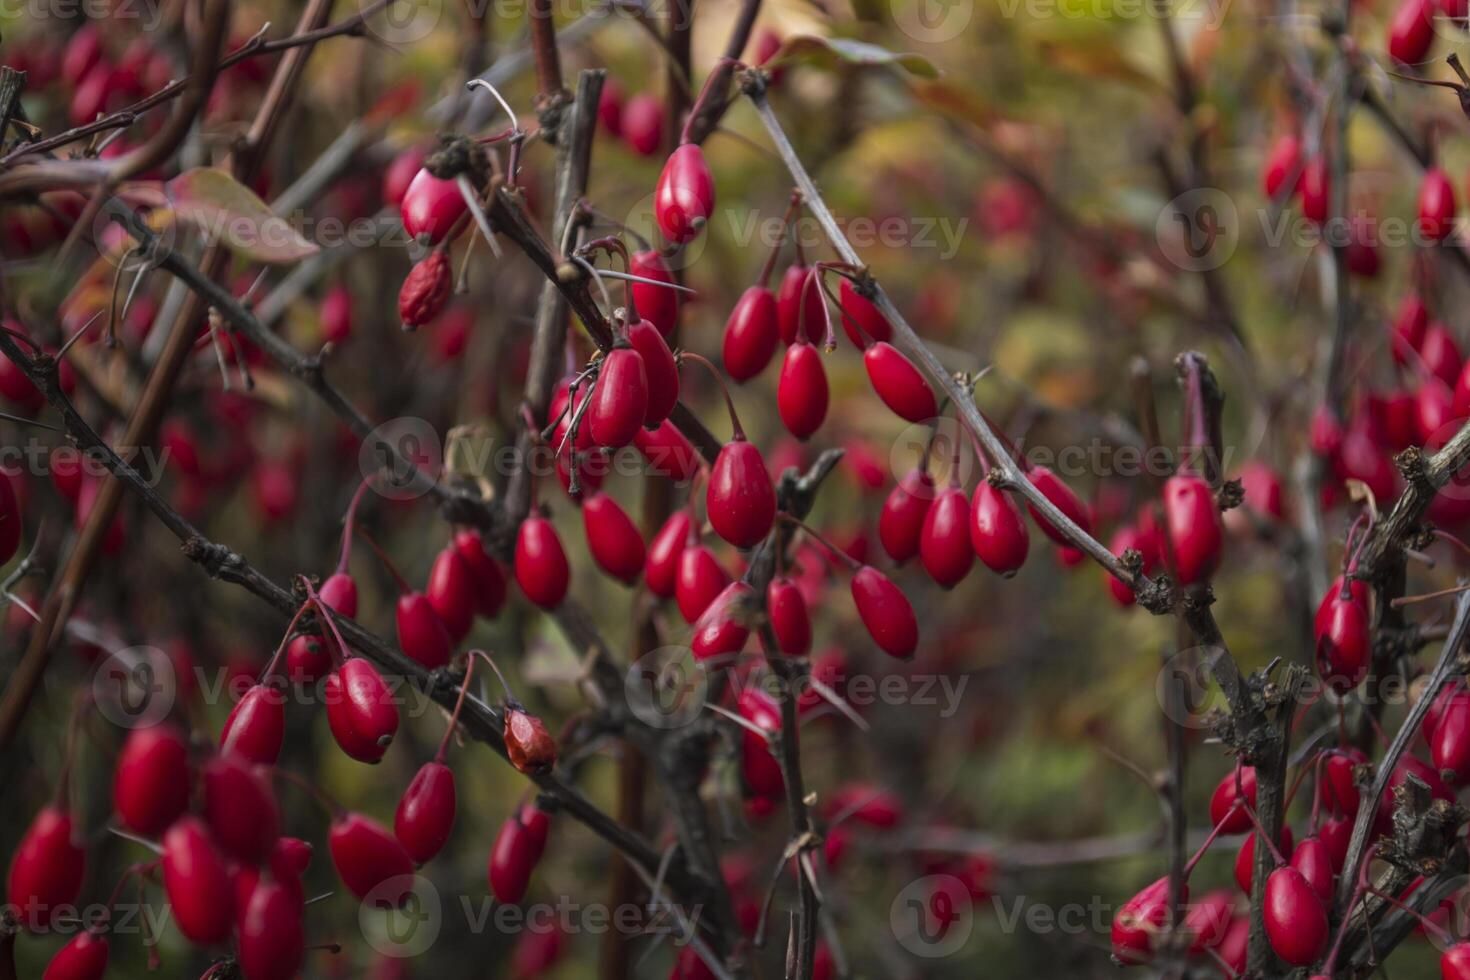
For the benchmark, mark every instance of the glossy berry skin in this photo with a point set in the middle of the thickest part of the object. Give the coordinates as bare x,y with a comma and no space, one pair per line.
1208,920
901,522
1449,740
1296,922
900,385
239,808
802,395
1126,537
642,123
197,883
1138,921
740,501
1411,31
668,452
944,542
1283,164
661,567
1436,206
861,319
1062,498
47,869
758,767
425,813
751,334
1195,530
998,530
1314,860
799,307
308,659
421,632
721,628
885,613
1245,858
256,726
339,592
84,958
1455,963
1315,189
1224,813
699,579
660,370
360,710
512,859
272,935
1337,787
366,855
613,538
685,196
619,400
450,591
425,290
791,622
431,207
150,787
528,744
400,173
487,577
541,565
656,304
1344,642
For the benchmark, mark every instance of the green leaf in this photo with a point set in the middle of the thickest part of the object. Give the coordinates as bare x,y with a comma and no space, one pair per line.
828,52
229,213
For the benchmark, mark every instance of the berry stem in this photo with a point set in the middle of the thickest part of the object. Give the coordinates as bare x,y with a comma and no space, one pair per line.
333,808
270,668
770,266
704,96
737,434
402,583
350,523
327,614
829,338
510,695
469,672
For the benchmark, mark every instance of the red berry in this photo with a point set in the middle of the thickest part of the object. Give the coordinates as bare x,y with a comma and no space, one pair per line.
337,314
512,859
425,290
1344,642
740,501
1208,920
256,726
1314,189
613,538
668,452
643,123
758,766
1436,206
944,543
272,935
1449,740
1195,531
528,744
487,578
1284,163
1411,31
425,813
799,306
339,592
1296,922
400,173
196,882
901,522
1224,813
685,196
360,710
151,785
721,628
791,624
861,318
751,334
240,808
997,530
1440,354
661,567
885,613
451,591
1338,788
619,400
431,207
900,385
801,395
1455,963
366,856
10,519
656,304
1138,921
699,579
610,107
421,633
1314,860
541,564
308,659
84,958
47,869
82,53
1407,331
1062,498
1124,538
660,370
